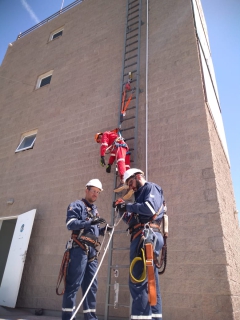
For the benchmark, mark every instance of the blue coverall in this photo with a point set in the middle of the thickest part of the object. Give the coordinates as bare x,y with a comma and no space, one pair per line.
80,270
148,200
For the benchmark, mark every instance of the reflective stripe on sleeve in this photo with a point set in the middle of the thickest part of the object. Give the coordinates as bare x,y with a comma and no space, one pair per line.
120,159
104,144
150,207
70,221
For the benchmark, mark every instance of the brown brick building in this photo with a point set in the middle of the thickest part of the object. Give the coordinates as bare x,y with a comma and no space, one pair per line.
66,77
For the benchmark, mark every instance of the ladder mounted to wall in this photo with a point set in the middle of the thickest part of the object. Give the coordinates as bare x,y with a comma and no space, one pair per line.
117,275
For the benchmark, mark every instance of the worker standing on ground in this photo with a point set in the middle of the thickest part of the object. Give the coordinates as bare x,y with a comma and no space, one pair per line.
112,141
84,220
143,215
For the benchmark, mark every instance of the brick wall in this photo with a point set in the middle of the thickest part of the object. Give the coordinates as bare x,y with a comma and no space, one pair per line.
185,155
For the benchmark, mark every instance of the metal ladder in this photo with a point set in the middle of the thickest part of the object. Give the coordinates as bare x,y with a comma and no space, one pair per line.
117,273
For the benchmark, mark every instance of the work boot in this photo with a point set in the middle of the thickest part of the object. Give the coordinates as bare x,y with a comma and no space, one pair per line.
128,195
122,186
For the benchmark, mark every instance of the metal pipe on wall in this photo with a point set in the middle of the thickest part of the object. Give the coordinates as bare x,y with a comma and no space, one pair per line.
146,170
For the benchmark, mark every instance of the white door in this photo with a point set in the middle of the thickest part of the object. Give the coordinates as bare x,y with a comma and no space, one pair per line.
16,258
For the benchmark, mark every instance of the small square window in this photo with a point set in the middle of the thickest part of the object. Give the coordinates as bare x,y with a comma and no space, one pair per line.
27,142
44,79
56,34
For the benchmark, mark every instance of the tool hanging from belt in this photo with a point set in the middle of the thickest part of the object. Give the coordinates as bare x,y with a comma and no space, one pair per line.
83,241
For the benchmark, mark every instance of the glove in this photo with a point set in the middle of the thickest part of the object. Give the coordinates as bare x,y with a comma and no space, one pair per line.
108,169
120,205
102,161
97,221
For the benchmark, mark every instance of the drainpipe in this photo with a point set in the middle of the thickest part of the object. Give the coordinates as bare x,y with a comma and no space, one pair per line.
146,170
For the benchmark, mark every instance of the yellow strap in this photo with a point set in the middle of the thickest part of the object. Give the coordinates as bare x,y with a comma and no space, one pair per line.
134,261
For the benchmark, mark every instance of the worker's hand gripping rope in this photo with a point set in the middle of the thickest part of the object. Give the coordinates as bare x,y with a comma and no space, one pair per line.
98,221
120,206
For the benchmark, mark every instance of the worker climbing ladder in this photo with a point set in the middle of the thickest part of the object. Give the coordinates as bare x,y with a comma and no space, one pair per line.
117,276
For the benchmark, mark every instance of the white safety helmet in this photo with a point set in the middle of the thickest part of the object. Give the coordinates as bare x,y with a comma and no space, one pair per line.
131,172
95,183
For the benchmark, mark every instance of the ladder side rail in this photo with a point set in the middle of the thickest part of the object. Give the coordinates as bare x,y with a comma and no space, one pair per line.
109,272
137,85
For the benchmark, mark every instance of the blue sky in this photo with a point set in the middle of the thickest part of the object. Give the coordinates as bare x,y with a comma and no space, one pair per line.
223,22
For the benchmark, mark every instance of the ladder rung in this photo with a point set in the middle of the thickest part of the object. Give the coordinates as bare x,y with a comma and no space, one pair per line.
136,34
126,74
132,2
117,266
130,44
133,11
119,305
132,30
126,52
120,285
133,6
130,65
129,139
127,130
131,57
130,25
129,118
120,249
131,107
120,231
133,18
133,98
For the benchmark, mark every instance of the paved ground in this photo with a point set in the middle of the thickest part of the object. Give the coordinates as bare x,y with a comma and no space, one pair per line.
24,314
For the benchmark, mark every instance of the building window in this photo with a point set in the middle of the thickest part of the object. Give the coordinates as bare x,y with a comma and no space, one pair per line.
44,79
56,34
27,141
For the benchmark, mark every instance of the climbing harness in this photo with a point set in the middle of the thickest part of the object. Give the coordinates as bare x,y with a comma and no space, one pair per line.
146,246
118,142
76,241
